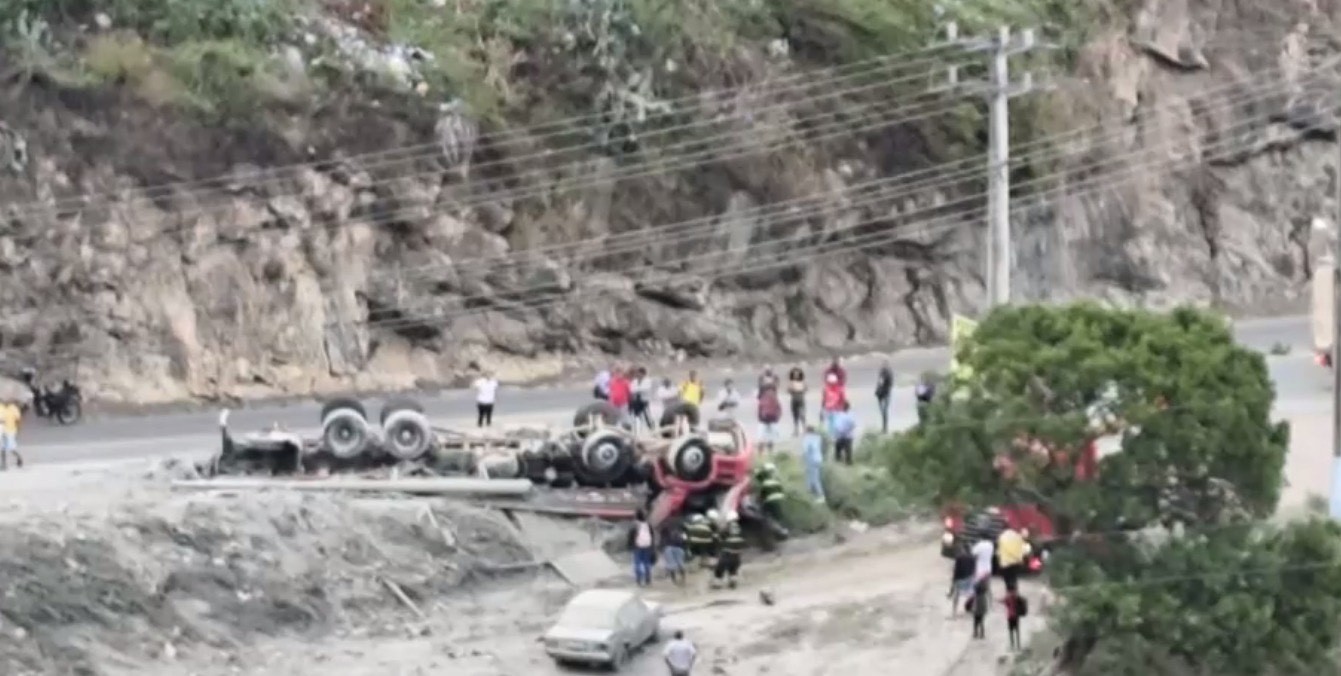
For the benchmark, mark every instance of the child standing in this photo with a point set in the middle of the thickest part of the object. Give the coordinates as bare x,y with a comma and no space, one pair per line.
980,602
1014,609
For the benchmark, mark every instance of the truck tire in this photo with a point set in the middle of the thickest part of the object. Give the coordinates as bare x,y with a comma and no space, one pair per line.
604,410
603,458
399,404
345,433
680,409
407,434
342,403
690,459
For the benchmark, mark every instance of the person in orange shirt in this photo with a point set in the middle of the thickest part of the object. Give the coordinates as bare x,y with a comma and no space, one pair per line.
10,417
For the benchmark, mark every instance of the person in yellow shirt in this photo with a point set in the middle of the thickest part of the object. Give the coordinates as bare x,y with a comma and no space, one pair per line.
10,416
1011,549
691,390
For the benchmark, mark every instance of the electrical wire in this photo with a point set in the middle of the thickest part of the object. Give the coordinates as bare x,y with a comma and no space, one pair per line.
875,239
836,88
604,247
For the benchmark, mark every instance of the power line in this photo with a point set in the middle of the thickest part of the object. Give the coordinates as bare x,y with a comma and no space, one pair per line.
875,239
432,151
787,209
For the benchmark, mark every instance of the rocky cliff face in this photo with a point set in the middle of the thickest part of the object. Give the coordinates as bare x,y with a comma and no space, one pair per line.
166,258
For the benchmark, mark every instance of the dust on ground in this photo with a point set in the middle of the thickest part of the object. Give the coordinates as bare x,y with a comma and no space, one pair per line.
105,571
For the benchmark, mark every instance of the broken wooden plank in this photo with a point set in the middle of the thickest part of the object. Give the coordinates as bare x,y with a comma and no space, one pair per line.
403,598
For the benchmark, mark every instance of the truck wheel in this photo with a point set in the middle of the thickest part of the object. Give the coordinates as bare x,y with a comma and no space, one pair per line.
342,403
345,433
691,459
399,404
603,458
604,410
407,434
680,409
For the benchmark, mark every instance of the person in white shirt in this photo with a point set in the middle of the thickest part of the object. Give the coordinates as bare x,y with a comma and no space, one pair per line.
983,551
640,405
600,387
486,392
728,398
680,655
668,394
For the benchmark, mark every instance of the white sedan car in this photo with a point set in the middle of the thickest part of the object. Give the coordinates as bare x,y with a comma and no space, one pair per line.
603,626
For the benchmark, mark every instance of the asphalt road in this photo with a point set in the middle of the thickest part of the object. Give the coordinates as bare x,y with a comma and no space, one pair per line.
1302,388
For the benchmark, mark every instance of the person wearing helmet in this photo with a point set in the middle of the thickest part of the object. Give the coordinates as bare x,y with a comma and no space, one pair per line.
698,537
771,493
729,555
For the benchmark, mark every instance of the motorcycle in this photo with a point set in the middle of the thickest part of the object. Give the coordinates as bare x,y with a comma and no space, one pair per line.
64,404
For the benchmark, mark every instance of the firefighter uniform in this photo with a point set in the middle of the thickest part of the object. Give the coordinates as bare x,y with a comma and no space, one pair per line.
728,556
771,493
698,535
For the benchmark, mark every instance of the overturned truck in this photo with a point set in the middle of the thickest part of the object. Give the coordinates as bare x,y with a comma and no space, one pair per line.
683,464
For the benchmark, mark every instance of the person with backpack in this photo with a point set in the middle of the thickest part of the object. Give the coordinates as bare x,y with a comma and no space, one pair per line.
644,550
1016,607
884,385
770,412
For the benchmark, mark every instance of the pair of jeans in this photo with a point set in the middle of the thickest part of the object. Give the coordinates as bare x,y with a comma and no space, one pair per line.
813,480
883,402
642,565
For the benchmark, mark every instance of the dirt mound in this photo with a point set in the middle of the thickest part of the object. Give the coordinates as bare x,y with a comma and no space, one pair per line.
97,593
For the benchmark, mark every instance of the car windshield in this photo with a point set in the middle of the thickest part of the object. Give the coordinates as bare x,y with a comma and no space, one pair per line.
588,617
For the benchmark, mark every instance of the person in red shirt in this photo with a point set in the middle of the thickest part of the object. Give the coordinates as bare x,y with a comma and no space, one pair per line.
621,390
1013,605
836,368
833,398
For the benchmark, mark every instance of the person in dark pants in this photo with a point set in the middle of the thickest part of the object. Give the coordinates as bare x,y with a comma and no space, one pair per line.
980,603
925,393
728,556
644,550
699,538
961,579
486,393
844,429
1014,604
796,390
884,385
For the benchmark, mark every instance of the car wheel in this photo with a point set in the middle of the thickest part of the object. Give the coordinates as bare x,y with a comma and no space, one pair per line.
343,403
691,460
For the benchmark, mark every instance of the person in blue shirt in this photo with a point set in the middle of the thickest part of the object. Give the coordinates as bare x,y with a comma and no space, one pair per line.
843,429
812,457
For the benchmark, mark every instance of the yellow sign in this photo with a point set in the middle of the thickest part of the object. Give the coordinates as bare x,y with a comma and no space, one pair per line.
961,331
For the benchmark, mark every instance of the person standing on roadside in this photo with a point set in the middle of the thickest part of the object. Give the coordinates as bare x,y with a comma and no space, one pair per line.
621,390
812,457
832,399
640,405
668,394
728,399
644,550
600,387
925,392
961,580
836,369
673,545
767,381
796,388
691,390
11,417
680,655
980,603
770,412
486,393
884,385
1010,554
843,428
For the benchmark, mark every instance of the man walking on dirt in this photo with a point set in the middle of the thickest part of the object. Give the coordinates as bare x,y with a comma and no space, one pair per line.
10,418
884,385
730,550
680,655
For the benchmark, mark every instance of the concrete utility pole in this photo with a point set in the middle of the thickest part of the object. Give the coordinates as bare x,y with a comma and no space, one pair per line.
999,90
1336,344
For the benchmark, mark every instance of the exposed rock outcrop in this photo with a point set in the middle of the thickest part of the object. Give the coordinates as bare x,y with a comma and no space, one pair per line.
397,270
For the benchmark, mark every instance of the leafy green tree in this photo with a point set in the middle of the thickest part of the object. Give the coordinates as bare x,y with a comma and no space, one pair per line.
1169,570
